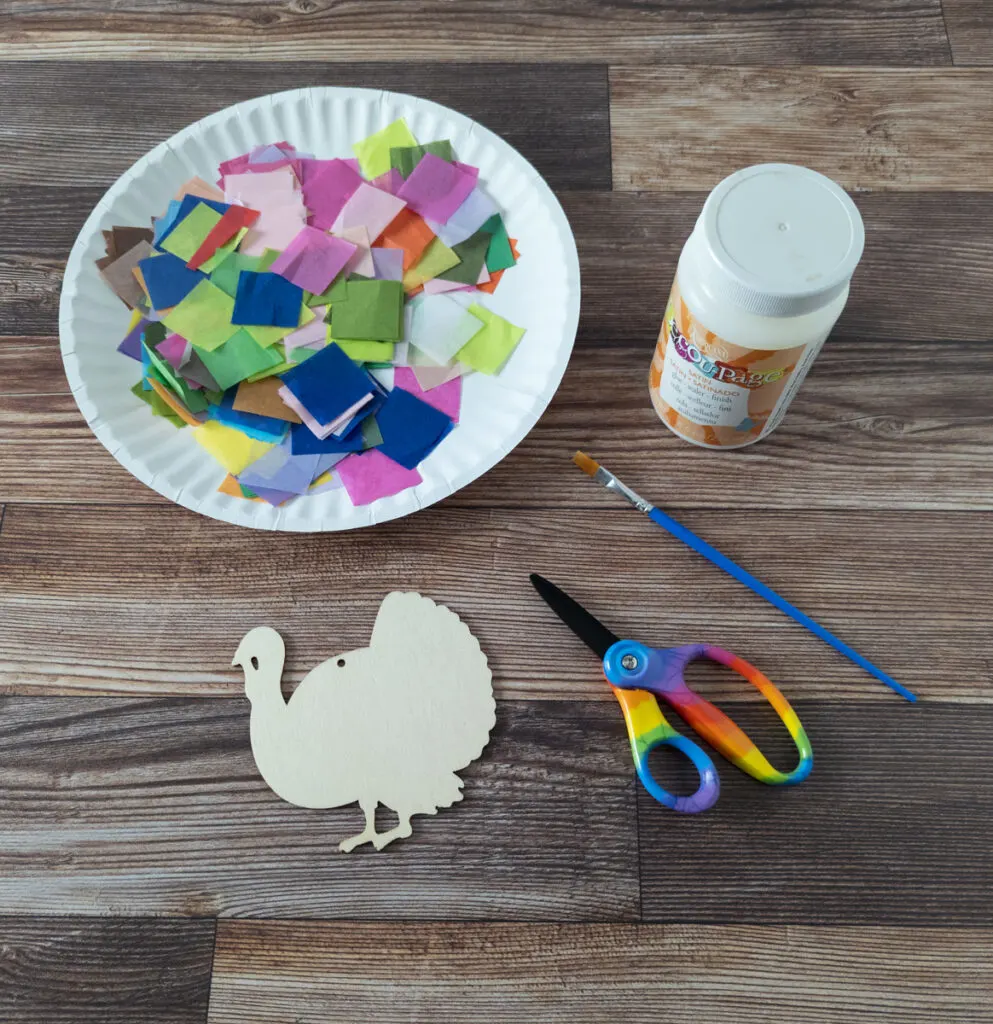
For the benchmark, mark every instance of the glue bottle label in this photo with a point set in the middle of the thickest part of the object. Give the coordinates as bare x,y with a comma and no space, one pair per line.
717,394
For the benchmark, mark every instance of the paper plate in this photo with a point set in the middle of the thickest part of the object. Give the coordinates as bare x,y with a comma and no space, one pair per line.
541,294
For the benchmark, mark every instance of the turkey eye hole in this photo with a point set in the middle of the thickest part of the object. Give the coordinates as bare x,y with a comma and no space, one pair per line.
341,663
255,664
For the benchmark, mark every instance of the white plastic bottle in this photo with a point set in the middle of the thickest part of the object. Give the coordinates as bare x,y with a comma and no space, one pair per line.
760,283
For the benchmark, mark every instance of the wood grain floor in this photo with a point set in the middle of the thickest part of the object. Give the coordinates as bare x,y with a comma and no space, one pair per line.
888,32
146,872
854,124
683,974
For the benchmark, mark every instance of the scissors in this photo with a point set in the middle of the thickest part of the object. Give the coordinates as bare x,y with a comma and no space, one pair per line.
638,674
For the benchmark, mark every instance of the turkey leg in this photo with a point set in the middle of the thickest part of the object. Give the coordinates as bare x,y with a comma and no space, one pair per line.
400,832
368,834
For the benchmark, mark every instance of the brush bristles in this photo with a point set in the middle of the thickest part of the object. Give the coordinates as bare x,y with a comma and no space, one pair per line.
585,463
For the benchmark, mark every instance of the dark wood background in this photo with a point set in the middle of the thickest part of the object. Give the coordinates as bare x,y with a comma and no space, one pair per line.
146,872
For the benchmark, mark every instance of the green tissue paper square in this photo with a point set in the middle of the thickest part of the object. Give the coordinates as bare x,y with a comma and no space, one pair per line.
371,311
226,275
499,255
371,434
239,358
158,407
335,292
472,253
405,158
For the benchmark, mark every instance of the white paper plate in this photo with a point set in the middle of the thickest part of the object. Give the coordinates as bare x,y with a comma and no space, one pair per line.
541,294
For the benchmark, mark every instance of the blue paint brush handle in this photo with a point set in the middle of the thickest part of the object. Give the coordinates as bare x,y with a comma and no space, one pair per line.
699,545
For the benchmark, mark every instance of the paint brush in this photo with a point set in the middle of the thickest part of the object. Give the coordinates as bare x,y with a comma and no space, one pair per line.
688,537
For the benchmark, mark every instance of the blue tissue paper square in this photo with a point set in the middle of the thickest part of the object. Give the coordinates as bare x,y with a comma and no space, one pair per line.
304,442
411,429
329,383
266,300
262,428
168,279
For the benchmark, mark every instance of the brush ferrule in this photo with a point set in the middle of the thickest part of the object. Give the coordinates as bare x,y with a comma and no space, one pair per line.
605,477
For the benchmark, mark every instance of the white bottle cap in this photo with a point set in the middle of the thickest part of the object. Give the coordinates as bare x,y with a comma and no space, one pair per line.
776,240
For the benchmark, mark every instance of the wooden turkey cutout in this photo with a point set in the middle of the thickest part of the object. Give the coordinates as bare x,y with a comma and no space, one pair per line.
391,723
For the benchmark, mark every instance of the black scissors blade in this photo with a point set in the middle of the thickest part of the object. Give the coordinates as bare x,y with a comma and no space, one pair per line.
590,630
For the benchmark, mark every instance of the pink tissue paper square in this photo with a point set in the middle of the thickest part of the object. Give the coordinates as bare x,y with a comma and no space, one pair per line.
313,259
370,475
446,398
436,188
267,187
391,181
175,350
327,189
368,208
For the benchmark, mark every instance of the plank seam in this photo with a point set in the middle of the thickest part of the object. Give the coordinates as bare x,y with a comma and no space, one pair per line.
235,918
948,35
637,833
610,125
922,508
232,923
210,982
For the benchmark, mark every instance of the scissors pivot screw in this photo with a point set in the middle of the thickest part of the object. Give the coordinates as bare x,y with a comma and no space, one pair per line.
630,662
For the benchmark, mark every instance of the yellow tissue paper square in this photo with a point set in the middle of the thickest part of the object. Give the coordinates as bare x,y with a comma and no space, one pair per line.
203,317
188,235
374,152
366,351
325,478
487,350
436,260
234,450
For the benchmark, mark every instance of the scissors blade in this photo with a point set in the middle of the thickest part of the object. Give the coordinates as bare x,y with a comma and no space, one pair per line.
590,630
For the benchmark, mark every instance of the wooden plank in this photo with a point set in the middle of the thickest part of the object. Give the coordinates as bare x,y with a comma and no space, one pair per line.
894,825
31,366
66,118
97,600
676,128
970,30
679,974
876,425
134,807
845,31
77,970
629,245
29,291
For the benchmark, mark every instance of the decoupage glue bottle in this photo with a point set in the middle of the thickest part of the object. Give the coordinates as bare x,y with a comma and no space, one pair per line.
760,283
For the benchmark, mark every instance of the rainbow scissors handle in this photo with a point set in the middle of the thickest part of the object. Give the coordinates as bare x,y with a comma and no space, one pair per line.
637,674
648,729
